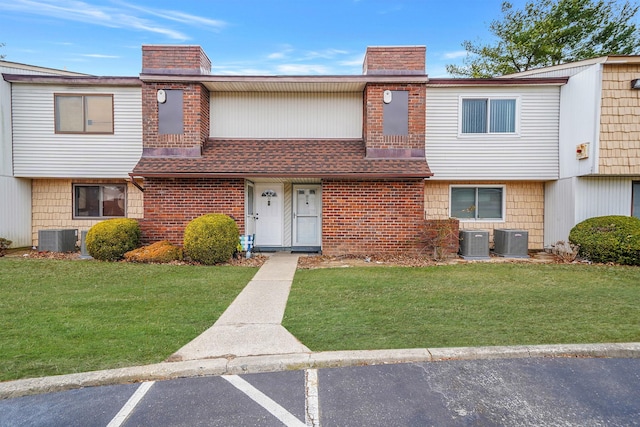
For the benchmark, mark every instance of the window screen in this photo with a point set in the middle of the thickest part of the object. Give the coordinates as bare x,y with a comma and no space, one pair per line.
84,113
486,115
477,203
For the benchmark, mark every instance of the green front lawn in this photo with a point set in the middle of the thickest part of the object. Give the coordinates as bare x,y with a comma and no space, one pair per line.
59,317
464,305
70,316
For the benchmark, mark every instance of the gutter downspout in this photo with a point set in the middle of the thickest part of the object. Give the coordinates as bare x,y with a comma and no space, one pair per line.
133,181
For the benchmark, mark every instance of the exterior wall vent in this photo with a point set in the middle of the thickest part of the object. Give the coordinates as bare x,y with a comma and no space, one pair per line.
474,244
511,243
57,240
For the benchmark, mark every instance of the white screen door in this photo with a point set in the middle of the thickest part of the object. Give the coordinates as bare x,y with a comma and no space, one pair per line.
307,215
249,209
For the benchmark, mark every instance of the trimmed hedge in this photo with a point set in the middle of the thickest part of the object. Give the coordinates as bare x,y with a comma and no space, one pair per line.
211,238
109,240
610,238
162,251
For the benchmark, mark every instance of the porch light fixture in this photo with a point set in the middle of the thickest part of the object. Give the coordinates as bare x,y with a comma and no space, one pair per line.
269,194
635,84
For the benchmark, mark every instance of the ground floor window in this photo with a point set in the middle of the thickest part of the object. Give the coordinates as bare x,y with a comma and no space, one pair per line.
99,200
635,197
477,202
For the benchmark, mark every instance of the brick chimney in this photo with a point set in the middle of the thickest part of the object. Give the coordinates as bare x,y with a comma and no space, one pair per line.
394,60
179,125
174,59
395,113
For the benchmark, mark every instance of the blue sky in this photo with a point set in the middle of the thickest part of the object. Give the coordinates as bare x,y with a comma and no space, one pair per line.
255,37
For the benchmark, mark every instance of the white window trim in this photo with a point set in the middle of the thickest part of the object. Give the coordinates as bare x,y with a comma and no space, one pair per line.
100,184
83,95
504,202
489,134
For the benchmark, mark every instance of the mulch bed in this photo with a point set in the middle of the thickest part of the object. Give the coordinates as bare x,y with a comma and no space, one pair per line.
313,261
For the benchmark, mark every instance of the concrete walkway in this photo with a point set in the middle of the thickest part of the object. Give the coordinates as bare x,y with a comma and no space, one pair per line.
251,326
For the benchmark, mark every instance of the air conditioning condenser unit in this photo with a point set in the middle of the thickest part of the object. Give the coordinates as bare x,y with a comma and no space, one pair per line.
57,240
474,244
511,243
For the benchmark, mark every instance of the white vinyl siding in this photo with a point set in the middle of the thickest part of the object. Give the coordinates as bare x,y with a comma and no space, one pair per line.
286,115
15,210
531,154
40,152
559,210
580,122
572,200
600,196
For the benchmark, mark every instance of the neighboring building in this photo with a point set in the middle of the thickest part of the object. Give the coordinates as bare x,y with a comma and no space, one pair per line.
491,145
15,191
75,139
599,143
342,164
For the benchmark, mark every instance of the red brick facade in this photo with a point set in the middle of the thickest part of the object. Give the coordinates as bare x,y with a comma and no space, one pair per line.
368,217
196,116
170,203
359,215
373,123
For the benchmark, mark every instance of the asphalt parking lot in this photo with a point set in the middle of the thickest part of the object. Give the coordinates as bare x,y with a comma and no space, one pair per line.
501,392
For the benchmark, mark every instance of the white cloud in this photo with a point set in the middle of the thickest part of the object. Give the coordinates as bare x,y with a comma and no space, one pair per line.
325,54
98,55
284,51
455,54
177,16
239,70
125,15
302,69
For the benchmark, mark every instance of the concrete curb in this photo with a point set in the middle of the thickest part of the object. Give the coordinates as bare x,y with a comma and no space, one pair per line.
284,362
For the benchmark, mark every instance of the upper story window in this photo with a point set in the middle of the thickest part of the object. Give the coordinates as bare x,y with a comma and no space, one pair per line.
483,203
488,115
83,113
98,201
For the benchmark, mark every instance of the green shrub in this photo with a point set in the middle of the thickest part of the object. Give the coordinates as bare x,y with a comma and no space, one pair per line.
162,251
608,239
109,240
4,245
211,238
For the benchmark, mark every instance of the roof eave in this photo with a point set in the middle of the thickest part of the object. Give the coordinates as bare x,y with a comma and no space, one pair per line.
229,175
516,81
223,83
72,80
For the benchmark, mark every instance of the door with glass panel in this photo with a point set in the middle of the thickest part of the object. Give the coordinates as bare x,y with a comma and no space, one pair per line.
307,215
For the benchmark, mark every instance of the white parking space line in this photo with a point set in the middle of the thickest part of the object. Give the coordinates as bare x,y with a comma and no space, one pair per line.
128,407
312,404
265,401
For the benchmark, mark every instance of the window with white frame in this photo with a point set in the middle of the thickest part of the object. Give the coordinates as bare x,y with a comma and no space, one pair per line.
485,203
99,200
488,115
75,113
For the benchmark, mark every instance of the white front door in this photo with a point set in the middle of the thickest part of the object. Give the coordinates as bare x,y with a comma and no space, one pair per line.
307,214
269,212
